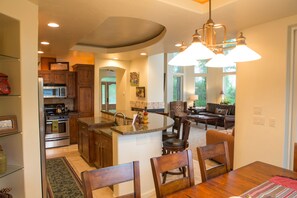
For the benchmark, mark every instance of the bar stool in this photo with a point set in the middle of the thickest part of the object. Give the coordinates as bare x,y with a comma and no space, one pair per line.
174,145
175,132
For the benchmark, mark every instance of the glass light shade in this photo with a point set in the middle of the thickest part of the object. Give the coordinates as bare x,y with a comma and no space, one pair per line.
182,59
242,53
198,51
220,60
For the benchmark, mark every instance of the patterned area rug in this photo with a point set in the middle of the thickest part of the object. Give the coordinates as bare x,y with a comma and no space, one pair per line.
62,181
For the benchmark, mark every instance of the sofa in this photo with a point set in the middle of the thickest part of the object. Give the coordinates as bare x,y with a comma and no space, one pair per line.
225,113
215,136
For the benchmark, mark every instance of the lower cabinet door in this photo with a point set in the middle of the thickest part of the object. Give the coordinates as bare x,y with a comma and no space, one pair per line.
107,151
97,151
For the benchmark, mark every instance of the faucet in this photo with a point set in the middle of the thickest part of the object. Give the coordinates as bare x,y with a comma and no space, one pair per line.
119,113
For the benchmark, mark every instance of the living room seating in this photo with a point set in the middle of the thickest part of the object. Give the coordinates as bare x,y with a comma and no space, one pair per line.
215,136
178,108
225,113
210,151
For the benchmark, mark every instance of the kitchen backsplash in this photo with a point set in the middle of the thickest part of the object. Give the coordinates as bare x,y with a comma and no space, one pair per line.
149,105
68,102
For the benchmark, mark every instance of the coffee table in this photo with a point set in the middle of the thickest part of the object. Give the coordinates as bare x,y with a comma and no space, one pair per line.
204,119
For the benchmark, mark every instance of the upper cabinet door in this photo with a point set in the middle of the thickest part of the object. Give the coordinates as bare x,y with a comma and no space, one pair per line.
85,74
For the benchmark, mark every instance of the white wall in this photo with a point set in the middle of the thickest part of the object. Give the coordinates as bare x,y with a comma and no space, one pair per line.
29,91
155,80
261,94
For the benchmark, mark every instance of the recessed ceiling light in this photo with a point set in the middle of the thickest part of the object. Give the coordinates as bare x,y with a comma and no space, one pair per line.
178,44
40,52
44,43
143,54
54,25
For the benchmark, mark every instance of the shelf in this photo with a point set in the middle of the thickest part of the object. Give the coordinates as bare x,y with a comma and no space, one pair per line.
8,134
11,169
11,95
8,58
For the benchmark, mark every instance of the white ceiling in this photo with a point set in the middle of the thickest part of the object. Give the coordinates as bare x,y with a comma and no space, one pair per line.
105,26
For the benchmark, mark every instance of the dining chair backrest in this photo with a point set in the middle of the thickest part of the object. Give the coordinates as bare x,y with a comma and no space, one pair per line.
210,151
111,175
169,162
295,158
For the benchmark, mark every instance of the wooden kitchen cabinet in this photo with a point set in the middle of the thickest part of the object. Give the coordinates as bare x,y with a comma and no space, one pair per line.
53,77
73,128
106,142
84,102
102,150
71,88
85,138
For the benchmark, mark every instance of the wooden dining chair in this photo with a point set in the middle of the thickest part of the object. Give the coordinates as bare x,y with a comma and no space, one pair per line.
295,158
112,175
210,151
165,163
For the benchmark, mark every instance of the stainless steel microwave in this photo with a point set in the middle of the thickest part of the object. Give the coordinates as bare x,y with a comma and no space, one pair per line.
54,91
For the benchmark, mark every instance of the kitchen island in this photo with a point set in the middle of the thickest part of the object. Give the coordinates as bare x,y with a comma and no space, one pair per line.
138,142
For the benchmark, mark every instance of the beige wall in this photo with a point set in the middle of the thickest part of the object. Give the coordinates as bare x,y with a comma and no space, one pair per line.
139,65
77,57
261,94
29,92
122,69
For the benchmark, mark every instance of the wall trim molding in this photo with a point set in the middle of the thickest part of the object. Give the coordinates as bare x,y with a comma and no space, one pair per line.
290,126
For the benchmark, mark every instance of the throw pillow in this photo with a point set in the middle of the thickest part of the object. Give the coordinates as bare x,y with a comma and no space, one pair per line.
221,111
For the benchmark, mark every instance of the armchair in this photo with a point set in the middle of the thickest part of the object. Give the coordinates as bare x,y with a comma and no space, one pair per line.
214,136
178,108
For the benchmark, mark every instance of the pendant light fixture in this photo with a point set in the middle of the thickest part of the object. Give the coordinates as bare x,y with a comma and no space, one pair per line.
182,59
205,46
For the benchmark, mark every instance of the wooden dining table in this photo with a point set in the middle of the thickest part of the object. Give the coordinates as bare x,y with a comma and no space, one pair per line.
235,182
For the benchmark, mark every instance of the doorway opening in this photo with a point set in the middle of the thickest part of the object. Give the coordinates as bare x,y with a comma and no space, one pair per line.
108,89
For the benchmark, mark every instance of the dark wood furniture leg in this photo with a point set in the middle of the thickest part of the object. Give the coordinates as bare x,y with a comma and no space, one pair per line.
205,121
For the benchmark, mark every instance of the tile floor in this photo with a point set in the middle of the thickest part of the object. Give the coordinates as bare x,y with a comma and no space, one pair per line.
196,138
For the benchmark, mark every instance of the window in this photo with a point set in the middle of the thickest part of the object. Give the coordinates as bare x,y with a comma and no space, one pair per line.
178,73
229,82
177,88
200,68
229,88
200,90
200,83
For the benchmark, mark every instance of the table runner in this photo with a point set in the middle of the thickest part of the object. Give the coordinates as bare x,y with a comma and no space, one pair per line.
277,186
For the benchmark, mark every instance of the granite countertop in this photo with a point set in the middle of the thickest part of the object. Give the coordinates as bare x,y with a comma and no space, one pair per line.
129,114
156,122
95,121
